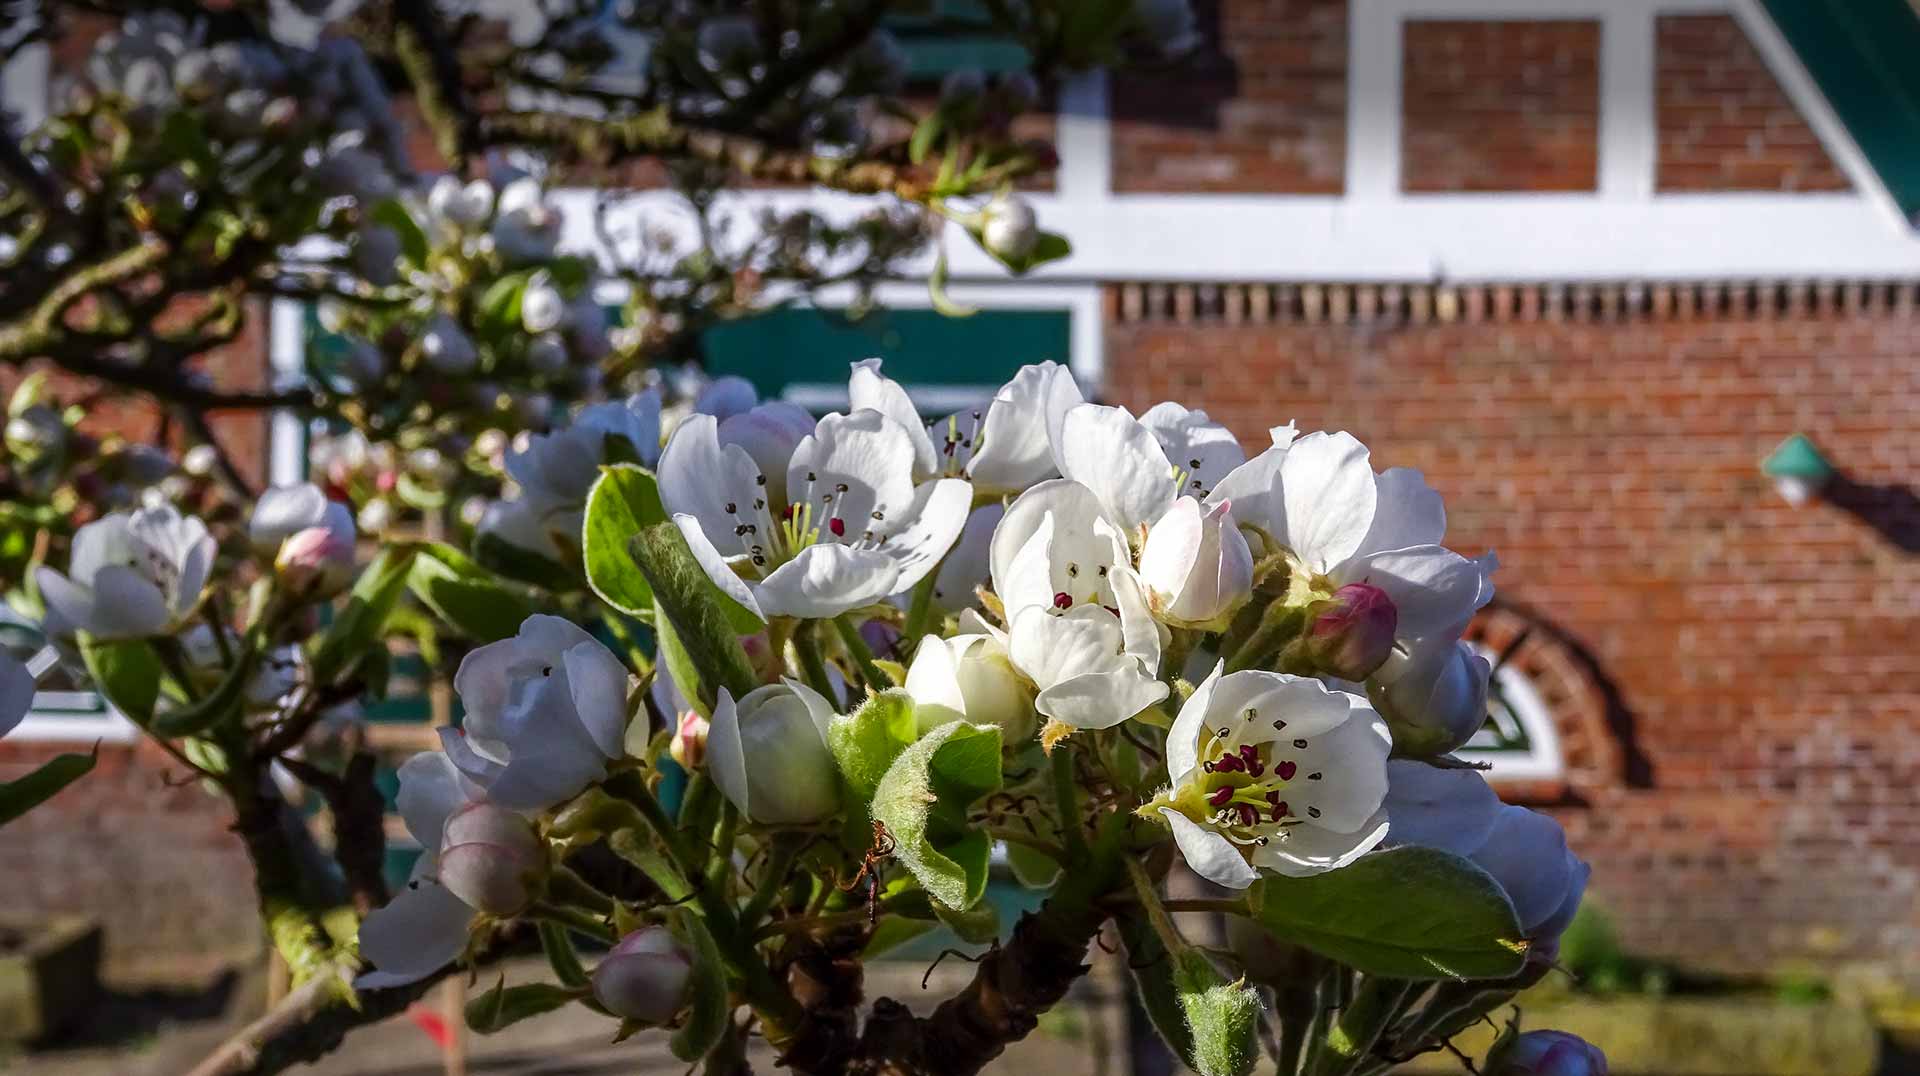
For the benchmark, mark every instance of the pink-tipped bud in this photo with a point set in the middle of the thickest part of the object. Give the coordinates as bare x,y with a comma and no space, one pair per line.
316,562
689,745
644,977
762,658
492,859
1353,635
1548,1053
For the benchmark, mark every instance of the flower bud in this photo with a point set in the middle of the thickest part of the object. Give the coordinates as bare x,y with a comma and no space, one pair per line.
1437,702
1008,228
970,678
1196,564
1547,1053
318,562
463,206
644,977
35,434
447,348
767,664
542,307
689,744
1353,633
492,859
768,753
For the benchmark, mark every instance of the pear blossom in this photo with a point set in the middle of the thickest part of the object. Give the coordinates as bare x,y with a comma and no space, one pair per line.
1273,772
645,977
447,348
1547,1053
1456,811
1436,700
1008,227
812,527
1003,446
16,692
768,753
1196,564
545,712
969,678
310,538
556,471
131,574
542,307
967,567
1352,634
424,927
459,206
491,858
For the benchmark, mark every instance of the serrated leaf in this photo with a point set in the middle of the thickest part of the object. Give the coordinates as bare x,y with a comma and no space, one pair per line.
19,797
923,799
1409,913
469,598
865,742
561,956
362,624
708,1011
504,1006
624,498
126,671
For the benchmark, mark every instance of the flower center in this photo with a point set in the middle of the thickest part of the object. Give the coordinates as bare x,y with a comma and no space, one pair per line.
960,442
818,513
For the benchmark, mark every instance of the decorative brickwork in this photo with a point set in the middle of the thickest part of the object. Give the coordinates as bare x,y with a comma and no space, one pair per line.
1760,655
1500,106
1725,123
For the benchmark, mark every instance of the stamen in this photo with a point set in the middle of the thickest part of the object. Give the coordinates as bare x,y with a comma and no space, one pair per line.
1219,796
1062,600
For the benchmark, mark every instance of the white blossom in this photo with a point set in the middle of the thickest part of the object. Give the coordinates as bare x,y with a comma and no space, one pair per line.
1002,446
969,678
131,574
16,692
1274,773
768,753
1436,699
1196,565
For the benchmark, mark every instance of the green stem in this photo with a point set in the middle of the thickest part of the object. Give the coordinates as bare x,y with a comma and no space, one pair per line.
1148,893
720,861
566,887
812,668
773,874
870,673
1351,1037
574,919
1067,799
1278,626
918,614
175,661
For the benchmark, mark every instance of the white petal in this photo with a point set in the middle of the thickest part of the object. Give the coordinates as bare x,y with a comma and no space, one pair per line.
599,685
1018,451
1556,923
1171,548
853,466
65,598
725,397
700,478
282,511
966,566
480,768
1139,632
716,566
1183,740
105,541
197,564
127,605
1196,444
1051,649
1527,854
1407,512
1309,850
1328,489
933,679
1307,707
769,434
869,389
1211,856
1254,489
827,579
421,930
1433,588
1100,700
1107,450
818,708
1449,809
726,754
1352,756
431,788
1027,574
927,529
16,692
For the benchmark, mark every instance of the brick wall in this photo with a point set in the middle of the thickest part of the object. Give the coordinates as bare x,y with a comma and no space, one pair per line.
150,858
1761,655
1500,106
1725,123
1260,108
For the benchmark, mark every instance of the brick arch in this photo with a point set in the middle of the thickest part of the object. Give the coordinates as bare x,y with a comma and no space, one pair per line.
1596,732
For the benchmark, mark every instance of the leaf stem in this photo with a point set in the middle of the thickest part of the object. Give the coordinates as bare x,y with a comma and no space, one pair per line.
917,615
1067,799
862,655
812,668
574,919
1350,1038
773,874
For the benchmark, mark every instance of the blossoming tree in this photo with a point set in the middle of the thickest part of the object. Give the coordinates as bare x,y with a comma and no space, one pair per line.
803,677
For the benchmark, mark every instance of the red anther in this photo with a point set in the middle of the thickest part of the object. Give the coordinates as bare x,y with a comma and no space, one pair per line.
1280,810
838,526
1286,770
1248,816
1251,758
1219,796
1229,764
1062,600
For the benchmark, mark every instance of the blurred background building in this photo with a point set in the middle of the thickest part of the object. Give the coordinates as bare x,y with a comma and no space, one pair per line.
1586,263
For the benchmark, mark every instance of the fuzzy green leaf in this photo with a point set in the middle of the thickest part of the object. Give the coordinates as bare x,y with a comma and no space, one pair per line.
694,606
867,741
561,956
19,797
1409,913
923,799
708,1009
1223,1018
624,499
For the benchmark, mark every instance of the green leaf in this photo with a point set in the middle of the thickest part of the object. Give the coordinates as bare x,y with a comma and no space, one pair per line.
1050,247
500,303
708,1010
694,606
923,136
1409,913
867,741
361,625
1032,868
497,554
623,499
214,707
977,925
560,955
504,1006
923,799
1152,969
19,797
474,601
413,240
127,672
679,665
892,932
1223,1018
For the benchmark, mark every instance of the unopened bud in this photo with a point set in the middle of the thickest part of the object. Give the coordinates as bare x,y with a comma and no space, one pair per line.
318,562
447,348
1353,634
35,434
1436,704
767,664
1196,564
492,859
644,977
1009,229
542,307
1547,1053
768,753
970,678
689,744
